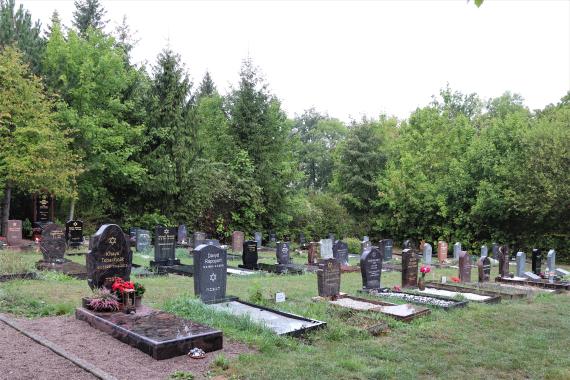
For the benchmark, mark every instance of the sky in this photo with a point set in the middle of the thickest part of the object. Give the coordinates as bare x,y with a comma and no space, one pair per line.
356,58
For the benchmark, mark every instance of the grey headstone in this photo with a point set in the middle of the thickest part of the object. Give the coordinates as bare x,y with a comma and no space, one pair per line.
551,260
484,251
197,239
326,249
495,251
340,252
332,237
364,245
371,268
109,256
388,246
561,272
521,258
143,240
272,237
427,251
182,234
210,272
237,241
302,239
531,276
53,244
456,250
282,253
258,238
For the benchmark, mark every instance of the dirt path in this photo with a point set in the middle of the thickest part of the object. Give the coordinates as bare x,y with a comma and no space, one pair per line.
106,353
22,358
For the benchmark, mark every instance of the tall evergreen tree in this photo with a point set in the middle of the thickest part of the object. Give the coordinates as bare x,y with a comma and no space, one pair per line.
16,27
207,86
88,13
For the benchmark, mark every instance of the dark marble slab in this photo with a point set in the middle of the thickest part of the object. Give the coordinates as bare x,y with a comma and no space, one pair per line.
69,268
156,333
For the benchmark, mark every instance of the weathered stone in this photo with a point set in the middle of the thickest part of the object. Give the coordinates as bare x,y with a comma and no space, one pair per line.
182,235
340,252
484,251
551,260
364,245
14,232
328,278
484,268
441,251
313,253
210,273
258,237
388,246
282,253
109,256
237,241
521,258
326,249
464,267
143,240
371,268
456,250
495,251
198,238
504,260
427,252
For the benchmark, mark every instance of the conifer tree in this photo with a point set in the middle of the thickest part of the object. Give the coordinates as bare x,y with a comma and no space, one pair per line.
88,13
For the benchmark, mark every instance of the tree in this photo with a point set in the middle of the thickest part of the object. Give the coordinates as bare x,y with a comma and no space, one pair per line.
16,28
88,14
207,86
91,77
125,38
34,152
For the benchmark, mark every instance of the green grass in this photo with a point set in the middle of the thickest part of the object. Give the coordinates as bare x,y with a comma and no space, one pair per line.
515,339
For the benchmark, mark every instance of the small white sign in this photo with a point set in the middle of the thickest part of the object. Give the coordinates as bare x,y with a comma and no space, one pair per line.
279,297
443,279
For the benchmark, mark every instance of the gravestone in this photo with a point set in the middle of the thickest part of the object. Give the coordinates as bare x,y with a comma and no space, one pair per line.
484,251
237,241
165,246
326,249
282,253
409,268
484,267
456,250
198,238
332,237
551,260
371,268
388,245
536,261
133,234
43,207
215,242
464,267
328,278
407,244
182,235
74,233
531,276
210,273
364,245
249,255
313,253
427,251
340,252
52,245
441,251
521,258
365,238
504,260
258,237
143,240
302,240
495,251
14,232
273,237
109,256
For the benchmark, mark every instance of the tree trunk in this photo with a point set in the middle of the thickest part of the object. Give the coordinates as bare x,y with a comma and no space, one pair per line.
71,210
6,208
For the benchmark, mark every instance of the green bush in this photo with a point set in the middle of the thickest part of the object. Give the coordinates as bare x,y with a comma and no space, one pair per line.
353,245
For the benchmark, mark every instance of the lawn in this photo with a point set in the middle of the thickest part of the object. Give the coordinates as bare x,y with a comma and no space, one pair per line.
511,340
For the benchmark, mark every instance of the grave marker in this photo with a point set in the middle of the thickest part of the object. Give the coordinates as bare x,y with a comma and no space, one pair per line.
340,252
237,241
43,207
503,260
282,253
313,253
464,267
551,260
249,255
165,246
484,251
531,276
74,233
328,278
182,235
143,240
456,250
210,273
495,250
302,240
365,238
258,237
407,244
484,267
364,245
371,268
197,239
14,232
326,249
409,268
388,245
536,261
109,256
427,251
441,251
52,245
521,258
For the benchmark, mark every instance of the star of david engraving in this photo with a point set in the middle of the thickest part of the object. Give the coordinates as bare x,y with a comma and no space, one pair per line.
213,277
112,240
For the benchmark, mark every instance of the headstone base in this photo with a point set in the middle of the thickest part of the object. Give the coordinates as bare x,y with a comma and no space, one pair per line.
67,267
156,333
249,267
349,268
282,268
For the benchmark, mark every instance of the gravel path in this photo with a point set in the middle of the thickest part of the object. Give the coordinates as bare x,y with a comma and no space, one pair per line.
21,358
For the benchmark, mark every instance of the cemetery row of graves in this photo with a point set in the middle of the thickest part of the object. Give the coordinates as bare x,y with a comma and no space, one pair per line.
347,284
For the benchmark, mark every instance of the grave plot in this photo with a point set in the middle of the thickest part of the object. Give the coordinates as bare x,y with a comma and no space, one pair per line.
423,299
467,293
403,312
52,246
18,276
115,309
340,253
512,291
284,264
540,283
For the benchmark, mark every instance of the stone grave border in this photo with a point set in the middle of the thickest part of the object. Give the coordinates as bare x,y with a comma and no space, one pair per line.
381,303
495,296
541,284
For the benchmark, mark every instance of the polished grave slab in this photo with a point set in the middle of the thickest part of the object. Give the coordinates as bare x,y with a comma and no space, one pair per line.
404,312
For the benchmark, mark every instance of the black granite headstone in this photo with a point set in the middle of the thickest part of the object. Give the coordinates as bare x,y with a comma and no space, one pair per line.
536,261
210,272
143,240
282,253
340,252
387,245
109,256
53,244
165,246
249,255
44,207
409,268
74,233
371,268
328,278
302,240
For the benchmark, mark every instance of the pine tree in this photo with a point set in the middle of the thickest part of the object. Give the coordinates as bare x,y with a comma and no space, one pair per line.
207,86
88,13
16,27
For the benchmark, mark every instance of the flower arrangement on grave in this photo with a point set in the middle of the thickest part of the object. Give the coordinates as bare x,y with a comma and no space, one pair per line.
421,283
455,279
126,293
104,301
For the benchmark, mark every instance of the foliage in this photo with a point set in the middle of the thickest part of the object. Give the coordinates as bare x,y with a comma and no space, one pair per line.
354,245
88,14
